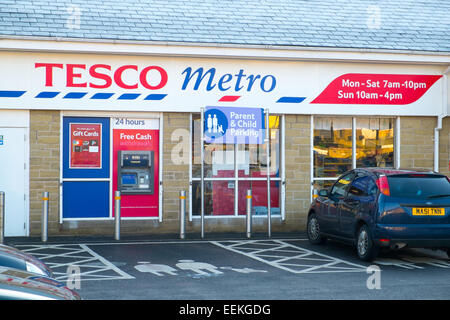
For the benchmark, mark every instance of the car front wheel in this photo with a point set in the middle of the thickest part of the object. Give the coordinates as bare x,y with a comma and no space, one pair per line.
448,252
365,247
313,230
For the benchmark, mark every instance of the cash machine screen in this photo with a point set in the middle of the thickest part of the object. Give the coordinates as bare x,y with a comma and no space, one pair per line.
130,179
135,160
135,172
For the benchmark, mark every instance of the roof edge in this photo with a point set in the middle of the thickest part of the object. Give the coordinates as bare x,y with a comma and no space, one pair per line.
219,50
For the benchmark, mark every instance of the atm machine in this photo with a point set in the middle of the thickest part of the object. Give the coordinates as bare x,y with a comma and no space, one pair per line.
135,172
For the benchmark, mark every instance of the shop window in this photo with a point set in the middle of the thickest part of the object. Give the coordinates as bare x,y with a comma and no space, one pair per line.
334,140
332,146
230,170
375,142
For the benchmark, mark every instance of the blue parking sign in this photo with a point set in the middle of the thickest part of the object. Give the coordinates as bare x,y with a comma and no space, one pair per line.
233,125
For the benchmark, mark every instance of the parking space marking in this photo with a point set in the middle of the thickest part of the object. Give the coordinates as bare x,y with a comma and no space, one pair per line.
288,257
60,257
412,262
427,260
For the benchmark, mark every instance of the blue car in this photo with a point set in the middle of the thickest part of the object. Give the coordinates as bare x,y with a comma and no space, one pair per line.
375,208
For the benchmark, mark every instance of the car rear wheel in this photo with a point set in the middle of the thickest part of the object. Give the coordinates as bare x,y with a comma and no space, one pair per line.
313,230
448,252
365,247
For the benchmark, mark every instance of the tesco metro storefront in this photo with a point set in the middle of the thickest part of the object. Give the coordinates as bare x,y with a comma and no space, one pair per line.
81,123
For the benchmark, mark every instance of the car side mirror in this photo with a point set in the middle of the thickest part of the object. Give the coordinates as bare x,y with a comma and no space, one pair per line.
323,193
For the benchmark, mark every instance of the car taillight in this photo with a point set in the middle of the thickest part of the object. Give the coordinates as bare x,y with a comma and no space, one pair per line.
383,185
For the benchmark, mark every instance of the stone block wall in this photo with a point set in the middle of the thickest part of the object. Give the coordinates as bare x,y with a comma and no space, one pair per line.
176,167
298,170
444,147
45,173
44,168
417,142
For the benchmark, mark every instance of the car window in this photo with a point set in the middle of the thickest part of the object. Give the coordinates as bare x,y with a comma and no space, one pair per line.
362,186
419,186
340,188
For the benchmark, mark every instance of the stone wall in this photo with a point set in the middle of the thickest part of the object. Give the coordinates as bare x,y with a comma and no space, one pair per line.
444,147
417,142
298,170
416,138
45,171
176,167
44,168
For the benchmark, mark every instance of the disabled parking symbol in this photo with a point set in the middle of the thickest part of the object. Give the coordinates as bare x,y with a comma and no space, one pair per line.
156,269
200,268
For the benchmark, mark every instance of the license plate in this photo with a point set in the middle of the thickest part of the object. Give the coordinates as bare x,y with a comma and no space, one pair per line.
428,211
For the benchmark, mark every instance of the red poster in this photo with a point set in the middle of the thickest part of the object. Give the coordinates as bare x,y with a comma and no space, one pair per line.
387,89
85,141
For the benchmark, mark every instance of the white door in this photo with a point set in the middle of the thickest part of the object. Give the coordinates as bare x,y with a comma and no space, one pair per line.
13,179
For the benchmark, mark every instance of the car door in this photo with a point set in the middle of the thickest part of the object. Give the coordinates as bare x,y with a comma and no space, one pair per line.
330,217
357,204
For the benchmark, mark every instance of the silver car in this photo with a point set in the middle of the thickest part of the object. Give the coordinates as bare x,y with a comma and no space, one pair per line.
14,258
20,285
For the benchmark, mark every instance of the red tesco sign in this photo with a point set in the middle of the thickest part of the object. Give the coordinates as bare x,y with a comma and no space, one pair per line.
75,73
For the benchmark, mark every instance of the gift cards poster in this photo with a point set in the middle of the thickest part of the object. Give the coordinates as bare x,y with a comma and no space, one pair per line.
86,143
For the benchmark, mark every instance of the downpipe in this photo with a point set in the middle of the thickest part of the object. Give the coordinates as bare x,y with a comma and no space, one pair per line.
440,117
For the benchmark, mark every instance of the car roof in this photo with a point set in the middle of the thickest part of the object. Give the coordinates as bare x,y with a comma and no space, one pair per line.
12,254
19,284
394,171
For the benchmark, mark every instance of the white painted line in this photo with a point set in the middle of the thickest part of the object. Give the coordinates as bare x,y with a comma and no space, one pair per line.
396,263
149,242
284,262
249,255
329,257
78,255
107,263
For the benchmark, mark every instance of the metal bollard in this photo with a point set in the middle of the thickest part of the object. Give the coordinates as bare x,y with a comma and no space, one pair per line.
249,213
44,219
2,216
117,215
182,213
315,194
